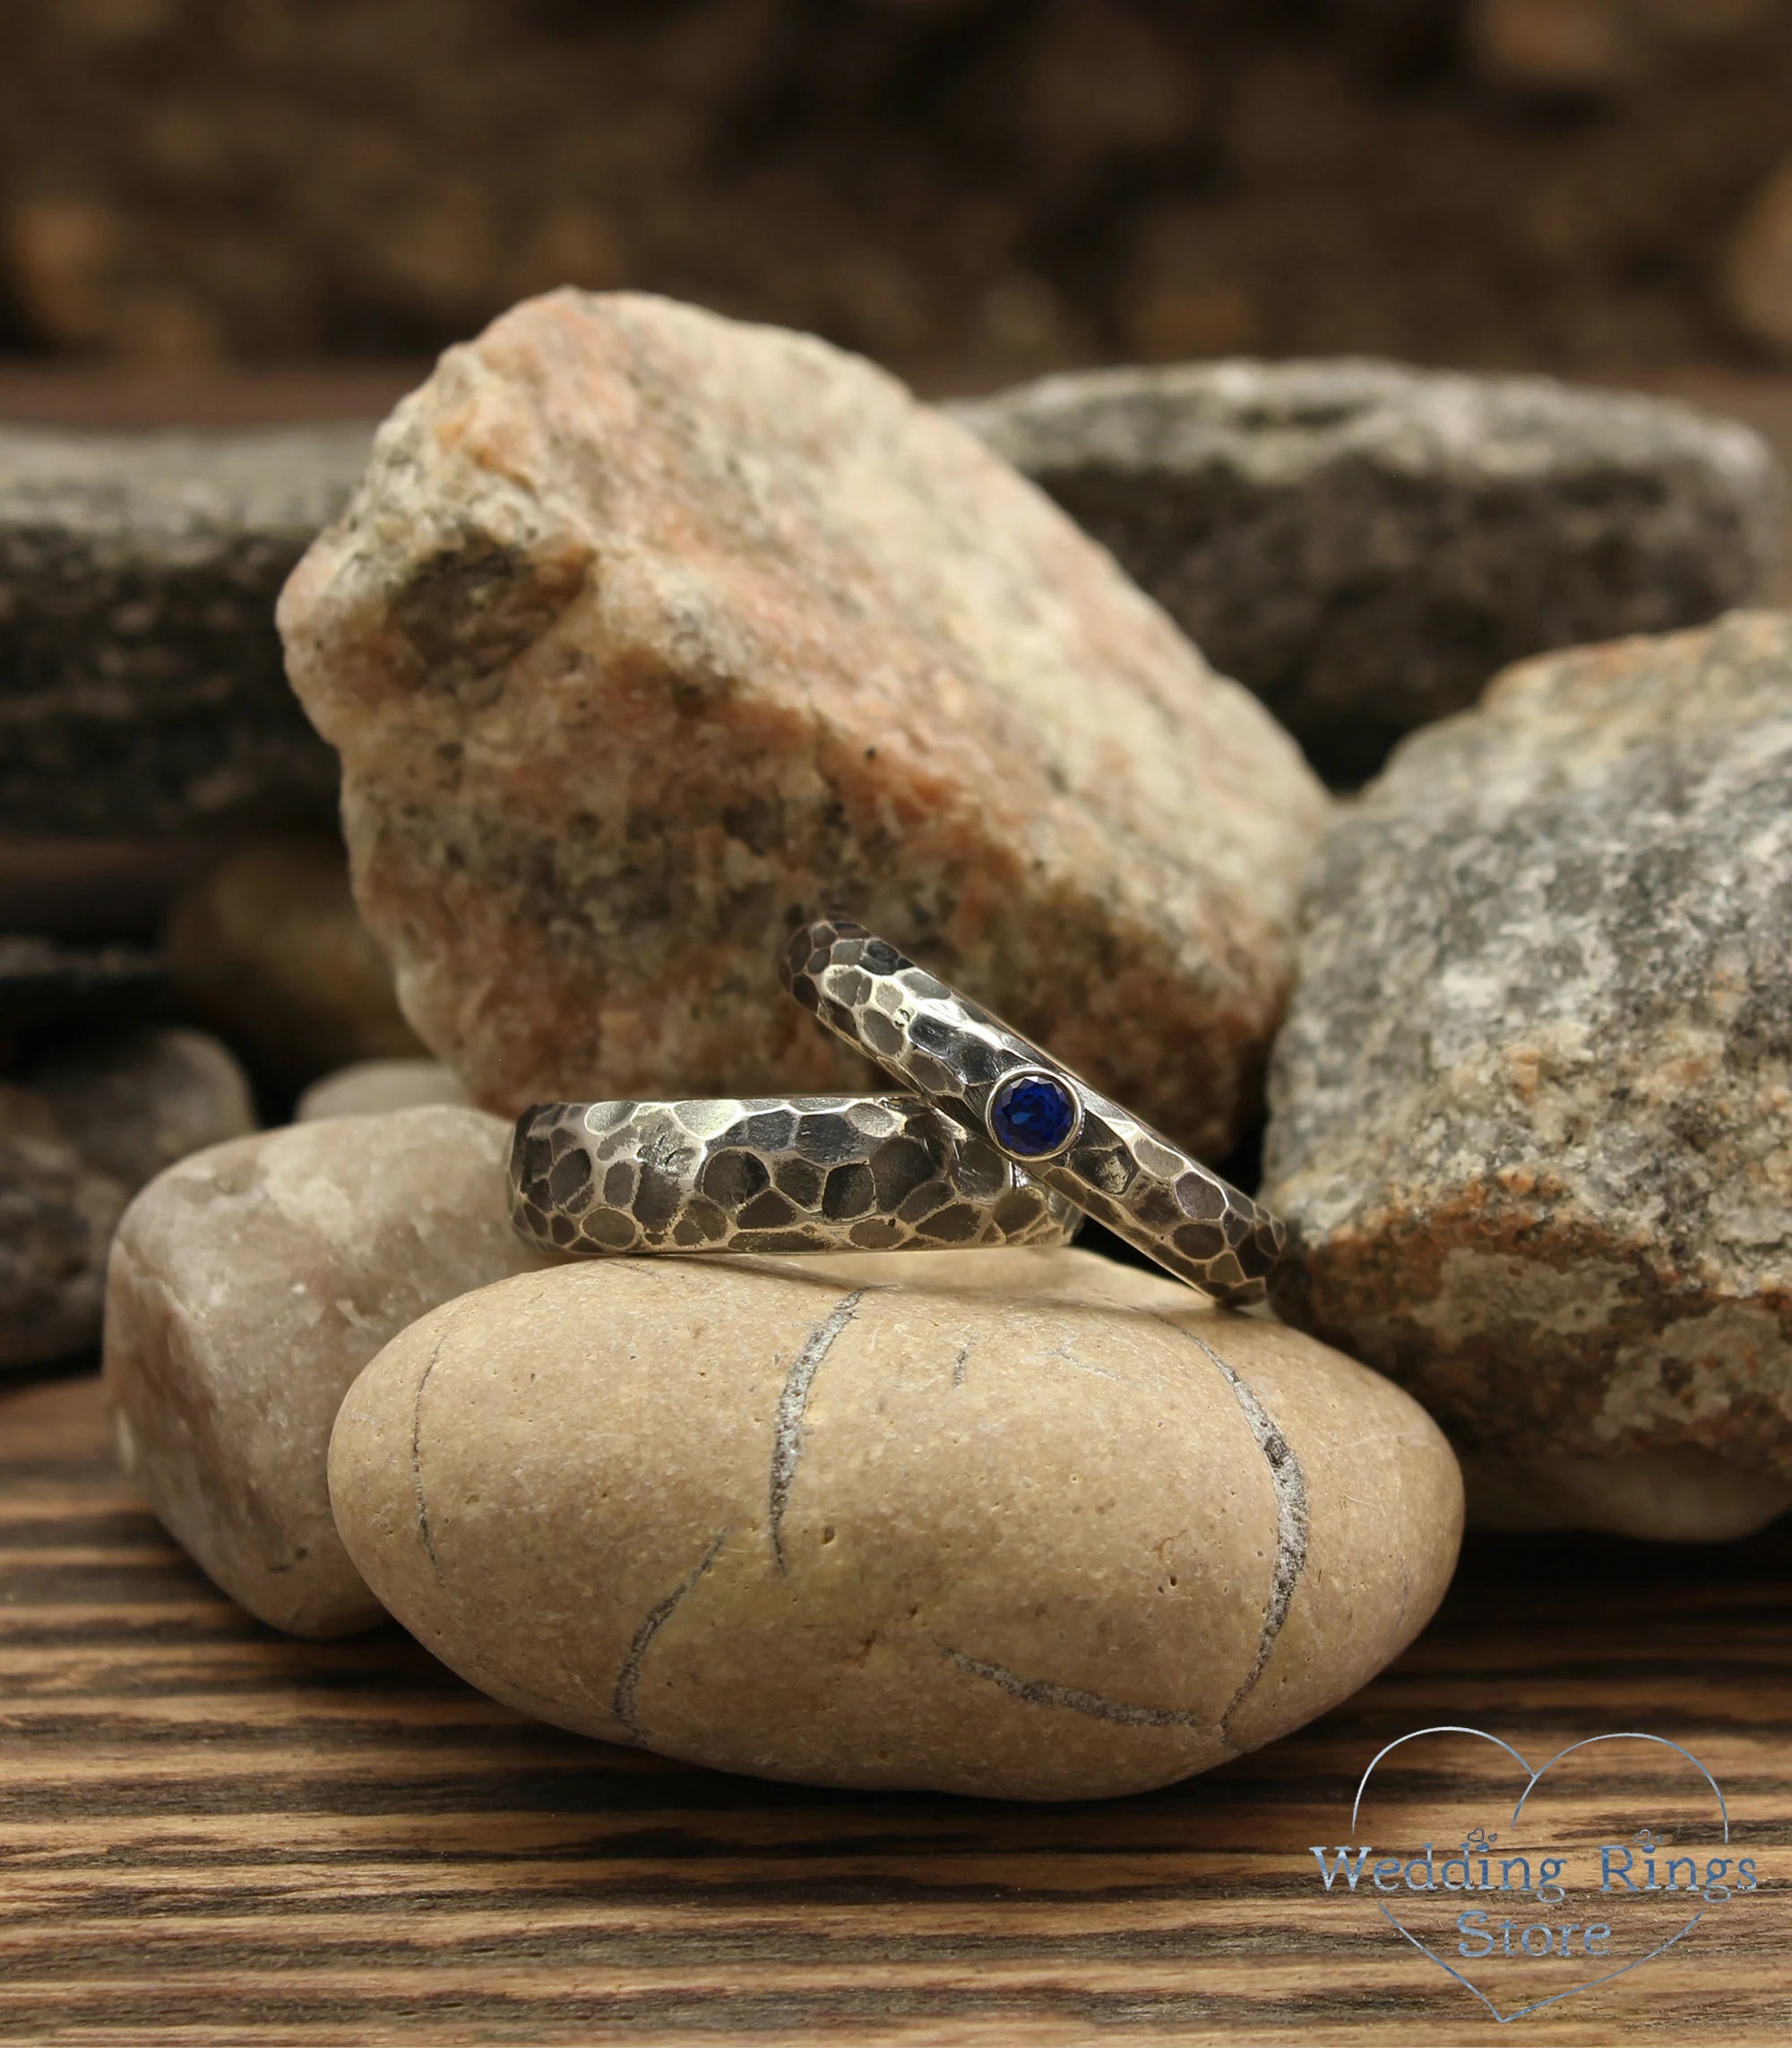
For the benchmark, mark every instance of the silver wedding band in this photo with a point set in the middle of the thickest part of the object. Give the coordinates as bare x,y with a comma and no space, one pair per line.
1037,1113
795,1173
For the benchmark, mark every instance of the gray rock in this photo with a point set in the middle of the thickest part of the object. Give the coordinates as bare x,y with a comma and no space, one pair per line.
1365,545
56,1217
1532,1113
79,1135
141,679
133,1106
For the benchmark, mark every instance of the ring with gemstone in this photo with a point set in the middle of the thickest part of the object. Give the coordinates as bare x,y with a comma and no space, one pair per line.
803,1172
1038,1114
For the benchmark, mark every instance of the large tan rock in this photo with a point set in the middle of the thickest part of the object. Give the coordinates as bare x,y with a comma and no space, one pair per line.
650,635
247,1287
1021,1523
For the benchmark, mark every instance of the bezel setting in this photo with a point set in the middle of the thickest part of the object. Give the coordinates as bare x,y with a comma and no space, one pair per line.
1044,1076
947,1049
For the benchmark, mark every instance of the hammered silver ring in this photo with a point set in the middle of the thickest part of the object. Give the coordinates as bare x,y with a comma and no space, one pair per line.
803,1172
1037,1113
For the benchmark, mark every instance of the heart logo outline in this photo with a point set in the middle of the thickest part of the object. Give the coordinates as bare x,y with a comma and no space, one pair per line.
1534,1777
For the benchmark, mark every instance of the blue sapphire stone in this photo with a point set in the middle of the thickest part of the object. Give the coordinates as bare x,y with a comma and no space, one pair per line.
1032,1116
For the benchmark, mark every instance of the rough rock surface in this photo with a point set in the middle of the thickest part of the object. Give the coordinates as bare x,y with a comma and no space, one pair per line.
371,1086
57,1219
141,686
650,635
269,950
134,1105
1365,545
1532,1111
79,1133
247,1288
1027,1523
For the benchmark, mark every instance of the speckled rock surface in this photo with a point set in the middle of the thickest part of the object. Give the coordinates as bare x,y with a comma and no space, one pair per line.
1027,1524
1365,544
141,686
650,635
133,1104
57,1219
371,1086
247,1287
80,1131
1532,1112
269,949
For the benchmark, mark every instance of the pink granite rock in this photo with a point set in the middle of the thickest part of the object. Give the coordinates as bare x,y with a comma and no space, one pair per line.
650,635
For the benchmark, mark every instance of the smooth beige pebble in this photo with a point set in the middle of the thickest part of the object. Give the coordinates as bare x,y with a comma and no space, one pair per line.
247,1287
1026,1523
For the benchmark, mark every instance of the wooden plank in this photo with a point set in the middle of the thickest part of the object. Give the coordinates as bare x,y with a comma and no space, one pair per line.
211,1834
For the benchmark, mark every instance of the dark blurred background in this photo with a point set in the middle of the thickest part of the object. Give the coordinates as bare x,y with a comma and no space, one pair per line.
972,191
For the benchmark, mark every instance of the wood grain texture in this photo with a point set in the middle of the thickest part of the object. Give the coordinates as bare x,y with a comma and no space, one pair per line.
209,1833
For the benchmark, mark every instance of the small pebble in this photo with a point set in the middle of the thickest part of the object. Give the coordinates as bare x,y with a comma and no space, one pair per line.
248,1286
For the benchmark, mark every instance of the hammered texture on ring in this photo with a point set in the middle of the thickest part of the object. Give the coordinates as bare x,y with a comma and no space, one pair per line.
806,1173
928,1037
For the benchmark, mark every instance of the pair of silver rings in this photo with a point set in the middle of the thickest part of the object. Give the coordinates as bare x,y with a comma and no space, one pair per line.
991,1142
